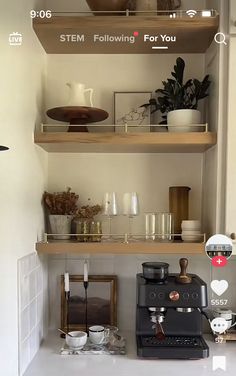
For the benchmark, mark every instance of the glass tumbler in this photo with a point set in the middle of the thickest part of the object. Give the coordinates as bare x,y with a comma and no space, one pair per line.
96,231
164,226
150,226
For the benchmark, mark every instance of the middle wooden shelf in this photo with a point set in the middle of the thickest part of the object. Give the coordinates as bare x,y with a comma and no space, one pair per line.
63,247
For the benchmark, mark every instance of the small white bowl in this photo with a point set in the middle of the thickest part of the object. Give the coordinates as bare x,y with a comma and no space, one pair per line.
191,232
191,225
77,341
188,236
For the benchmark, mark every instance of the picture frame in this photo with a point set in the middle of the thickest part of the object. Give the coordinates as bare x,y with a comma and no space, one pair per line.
128,110
101,306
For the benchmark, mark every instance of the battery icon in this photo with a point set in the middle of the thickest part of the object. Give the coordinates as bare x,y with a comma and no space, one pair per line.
206,13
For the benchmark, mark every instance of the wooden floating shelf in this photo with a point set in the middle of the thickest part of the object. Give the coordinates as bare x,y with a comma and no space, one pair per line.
121,248
110,142
193,35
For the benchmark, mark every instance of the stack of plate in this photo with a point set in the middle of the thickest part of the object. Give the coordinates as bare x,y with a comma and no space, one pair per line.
191,231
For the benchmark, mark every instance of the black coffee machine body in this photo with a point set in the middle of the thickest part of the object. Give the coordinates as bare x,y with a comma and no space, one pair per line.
168,316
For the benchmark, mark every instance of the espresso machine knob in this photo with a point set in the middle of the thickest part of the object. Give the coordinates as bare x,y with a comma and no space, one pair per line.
174,296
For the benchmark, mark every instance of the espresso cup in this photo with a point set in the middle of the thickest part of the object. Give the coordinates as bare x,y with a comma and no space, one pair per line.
97,334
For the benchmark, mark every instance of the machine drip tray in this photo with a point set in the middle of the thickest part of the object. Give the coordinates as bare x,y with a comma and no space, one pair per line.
174,341
172,347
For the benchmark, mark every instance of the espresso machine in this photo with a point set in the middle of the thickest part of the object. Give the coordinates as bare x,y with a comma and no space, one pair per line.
169,313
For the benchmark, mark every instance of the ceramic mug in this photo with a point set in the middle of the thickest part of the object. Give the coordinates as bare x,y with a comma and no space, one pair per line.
98,334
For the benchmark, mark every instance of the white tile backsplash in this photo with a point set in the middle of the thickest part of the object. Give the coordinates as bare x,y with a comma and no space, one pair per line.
32,307
24,355
126,267
24,328
32,284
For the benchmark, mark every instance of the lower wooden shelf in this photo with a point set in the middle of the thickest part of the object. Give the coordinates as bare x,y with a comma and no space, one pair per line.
60,247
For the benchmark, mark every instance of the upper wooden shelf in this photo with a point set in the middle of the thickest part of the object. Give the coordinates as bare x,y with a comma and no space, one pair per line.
193,35
110,142
61,247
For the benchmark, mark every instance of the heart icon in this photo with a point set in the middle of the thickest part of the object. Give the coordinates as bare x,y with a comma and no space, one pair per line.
219,287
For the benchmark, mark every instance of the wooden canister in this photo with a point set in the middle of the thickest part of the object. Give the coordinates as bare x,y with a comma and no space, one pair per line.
179,205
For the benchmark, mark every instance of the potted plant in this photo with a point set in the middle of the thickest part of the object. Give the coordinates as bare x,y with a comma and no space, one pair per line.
178,102
62,207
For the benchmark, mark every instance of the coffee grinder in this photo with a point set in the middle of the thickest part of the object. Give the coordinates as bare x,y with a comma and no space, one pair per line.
169,313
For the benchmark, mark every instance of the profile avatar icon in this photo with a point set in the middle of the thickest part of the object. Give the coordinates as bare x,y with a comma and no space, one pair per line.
219,245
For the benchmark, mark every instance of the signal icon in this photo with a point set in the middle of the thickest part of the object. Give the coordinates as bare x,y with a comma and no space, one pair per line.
191,13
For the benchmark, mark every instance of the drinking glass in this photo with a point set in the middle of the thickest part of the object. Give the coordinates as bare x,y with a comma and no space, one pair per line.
164,227
130,208
110,208
150,226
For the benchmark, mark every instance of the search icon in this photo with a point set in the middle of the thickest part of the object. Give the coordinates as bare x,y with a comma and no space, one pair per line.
220,38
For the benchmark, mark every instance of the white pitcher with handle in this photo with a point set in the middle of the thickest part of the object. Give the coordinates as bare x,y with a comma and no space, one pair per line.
77,95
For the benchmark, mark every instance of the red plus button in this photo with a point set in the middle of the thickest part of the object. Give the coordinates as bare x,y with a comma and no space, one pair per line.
219,261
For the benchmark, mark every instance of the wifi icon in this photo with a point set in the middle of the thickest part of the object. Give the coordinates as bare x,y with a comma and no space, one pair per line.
191,13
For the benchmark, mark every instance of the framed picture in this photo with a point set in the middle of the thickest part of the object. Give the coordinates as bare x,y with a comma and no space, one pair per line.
128,110
101,302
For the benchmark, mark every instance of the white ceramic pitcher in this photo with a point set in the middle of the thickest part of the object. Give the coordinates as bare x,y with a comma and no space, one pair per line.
77,95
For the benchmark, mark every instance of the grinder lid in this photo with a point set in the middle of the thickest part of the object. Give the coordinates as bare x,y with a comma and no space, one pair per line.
155,265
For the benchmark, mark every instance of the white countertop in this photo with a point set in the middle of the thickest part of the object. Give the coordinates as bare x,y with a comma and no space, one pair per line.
48,362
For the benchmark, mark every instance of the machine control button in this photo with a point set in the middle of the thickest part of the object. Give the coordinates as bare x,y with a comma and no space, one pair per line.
186,295
194,295
174,296
161,295
152,295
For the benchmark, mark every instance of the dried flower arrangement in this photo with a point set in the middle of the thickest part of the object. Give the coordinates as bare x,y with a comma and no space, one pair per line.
61,203
88,211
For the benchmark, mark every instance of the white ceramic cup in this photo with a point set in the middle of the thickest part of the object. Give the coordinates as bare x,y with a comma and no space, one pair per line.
191,225
97,334
77,341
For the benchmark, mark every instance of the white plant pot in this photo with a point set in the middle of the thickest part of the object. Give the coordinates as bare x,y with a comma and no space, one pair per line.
60,224
181,119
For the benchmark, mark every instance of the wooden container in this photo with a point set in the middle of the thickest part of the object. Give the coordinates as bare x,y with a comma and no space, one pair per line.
179,205
108,5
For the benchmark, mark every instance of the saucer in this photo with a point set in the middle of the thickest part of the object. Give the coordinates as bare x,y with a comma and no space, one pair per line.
75,348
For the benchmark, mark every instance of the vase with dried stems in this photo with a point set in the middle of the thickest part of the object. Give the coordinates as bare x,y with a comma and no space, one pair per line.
61,207
83,223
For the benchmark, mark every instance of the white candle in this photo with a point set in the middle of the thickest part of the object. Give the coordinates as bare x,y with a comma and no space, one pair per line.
85,271
67,282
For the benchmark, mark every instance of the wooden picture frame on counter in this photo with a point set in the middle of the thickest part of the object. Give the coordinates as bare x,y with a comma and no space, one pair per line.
101,303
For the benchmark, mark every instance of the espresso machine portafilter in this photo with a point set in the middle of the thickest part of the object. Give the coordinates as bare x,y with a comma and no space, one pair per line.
168,315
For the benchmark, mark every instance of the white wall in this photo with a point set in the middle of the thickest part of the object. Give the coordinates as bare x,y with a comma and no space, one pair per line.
109,73
231,156
215,158
23,167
